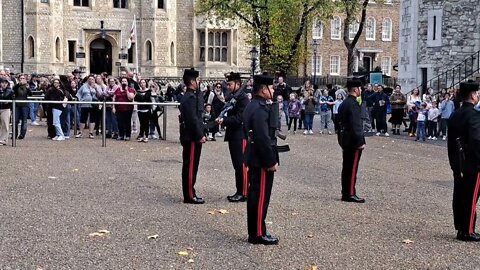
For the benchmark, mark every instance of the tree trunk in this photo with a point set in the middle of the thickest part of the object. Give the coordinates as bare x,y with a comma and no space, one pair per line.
350,61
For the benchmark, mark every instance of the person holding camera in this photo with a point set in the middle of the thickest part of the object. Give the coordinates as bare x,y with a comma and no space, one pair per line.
232,118
124,112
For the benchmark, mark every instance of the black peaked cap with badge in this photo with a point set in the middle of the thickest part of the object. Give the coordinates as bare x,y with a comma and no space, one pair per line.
233,76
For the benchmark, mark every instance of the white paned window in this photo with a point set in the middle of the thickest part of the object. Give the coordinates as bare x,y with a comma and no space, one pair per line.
334,65
317,65
370,24
336,26
352,30
386,65
387,29
317,29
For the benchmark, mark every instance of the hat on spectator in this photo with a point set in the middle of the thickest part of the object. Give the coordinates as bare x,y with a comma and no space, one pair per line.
76,71
232,76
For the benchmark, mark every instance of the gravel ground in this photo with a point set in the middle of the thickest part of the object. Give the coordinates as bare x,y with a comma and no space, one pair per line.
54,194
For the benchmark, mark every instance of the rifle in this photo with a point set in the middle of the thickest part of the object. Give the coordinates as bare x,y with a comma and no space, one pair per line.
230,104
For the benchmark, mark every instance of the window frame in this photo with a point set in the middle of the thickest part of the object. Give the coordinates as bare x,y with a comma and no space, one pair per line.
120,2
211,48
317,70
353,29
334,28
373,29
317,29
337,64
388,71
389,35
71,50
81,3
148,50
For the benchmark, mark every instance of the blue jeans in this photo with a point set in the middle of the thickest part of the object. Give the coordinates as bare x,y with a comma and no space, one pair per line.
285,110
56,122
111,122
21,113
421,130
308,122
33,111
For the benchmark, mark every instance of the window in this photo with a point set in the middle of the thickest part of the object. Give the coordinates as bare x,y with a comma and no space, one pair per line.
370,31
386,65
148,50
216,46
434,31
31,47
387,29
317,65
81,3
131,53
353,29
57,49
44,1
172,53
120,3
71,50
161,4
336,26
317,29
355,63
334,65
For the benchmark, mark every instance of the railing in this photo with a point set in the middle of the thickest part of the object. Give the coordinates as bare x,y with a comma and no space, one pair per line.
453,76
334,80
104,113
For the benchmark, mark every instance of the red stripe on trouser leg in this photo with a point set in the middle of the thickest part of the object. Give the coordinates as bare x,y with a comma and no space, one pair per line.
354,173
190,170
261,202
244,168
474,205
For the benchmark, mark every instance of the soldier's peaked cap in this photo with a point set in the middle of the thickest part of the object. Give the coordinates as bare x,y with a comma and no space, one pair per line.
191,73
232,76
354,83
468,87
262,80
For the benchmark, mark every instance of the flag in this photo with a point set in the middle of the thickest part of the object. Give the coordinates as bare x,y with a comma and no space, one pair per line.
133,33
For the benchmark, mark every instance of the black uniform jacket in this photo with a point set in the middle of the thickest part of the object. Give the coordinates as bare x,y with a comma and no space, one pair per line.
261,148
234,119
351,124
464,123
191,121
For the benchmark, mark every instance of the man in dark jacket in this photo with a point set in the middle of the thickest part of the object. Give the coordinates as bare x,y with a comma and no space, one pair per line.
464,158
191,135
260,123
21,91
351,139
283,90
232,119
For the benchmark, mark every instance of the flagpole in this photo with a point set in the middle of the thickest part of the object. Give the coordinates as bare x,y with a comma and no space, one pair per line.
136,44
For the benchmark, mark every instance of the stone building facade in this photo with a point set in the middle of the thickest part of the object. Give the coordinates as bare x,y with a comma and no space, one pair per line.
435,36
377,46
61,35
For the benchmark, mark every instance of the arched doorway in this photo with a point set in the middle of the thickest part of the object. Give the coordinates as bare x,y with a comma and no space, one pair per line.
100,56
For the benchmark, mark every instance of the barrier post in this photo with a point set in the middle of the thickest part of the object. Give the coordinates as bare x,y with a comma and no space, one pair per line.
75,120
14,122
104,116
164,123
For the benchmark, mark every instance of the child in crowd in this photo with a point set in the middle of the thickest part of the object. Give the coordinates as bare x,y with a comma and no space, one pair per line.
338,101
433,115
421,120
294,107
209,122
412,115
280,109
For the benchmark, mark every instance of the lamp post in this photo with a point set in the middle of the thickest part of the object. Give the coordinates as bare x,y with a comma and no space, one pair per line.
315,49
103,33
254,56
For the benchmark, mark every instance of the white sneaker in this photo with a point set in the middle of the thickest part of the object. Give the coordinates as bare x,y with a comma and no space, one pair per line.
35,123
329,133
67,137
210,137
155,137
305,132
434,138
310,132
219,134
378,134
55,138
386,134
79,135
321,132
60,138
444,138
429,138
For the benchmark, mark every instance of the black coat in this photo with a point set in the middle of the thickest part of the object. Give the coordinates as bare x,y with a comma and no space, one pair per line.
351,124
191,121
144,96
234,120
261,149
464,123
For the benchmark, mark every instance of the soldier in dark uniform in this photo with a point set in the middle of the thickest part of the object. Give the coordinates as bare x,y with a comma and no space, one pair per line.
464,158
232,118
351,139
260,123
191,135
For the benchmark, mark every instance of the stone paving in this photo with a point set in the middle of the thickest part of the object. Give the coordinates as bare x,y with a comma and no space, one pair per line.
55,194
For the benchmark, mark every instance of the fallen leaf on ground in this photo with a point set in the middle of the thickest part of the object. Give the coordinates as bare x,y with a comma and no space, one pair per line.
138,160
144,150
189,248
131,148
407,241
39,268
99,233
294,214
190,261
269,223
52,177
166,148
155,236
310,236
103,231
215,170
312,267
211,212
183,253
223,211
75,170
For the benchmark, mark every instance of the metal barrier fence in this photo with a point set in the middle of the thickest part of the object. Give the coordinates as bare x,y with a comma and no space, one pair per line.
104,113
